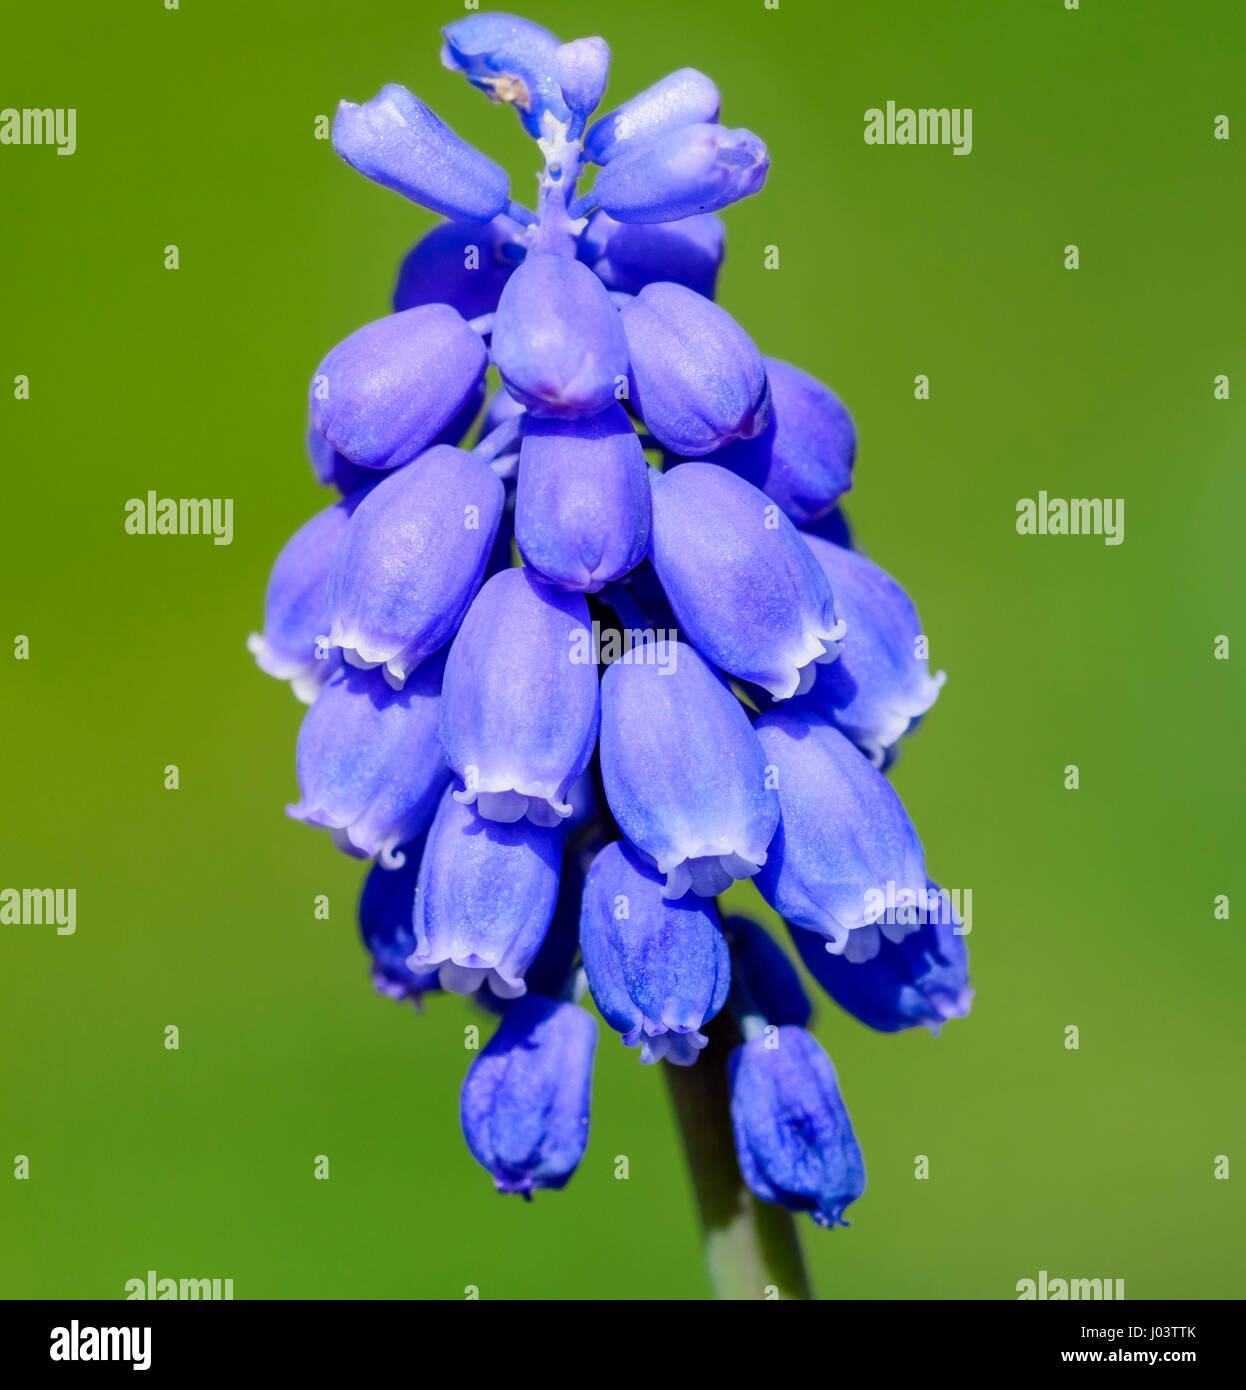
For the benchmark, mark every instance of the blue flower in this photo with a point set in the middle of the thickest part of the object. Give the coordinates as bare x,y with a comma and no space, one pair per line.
396,140
463,264
581,69
336,470
485,899
411,560
683,98
385,913
881,686
845,847
627,257
557,340
585,654
519,711
793,1137
296,607
582,506
513,61
919,981
766,981
525,1102
695,378
693,169
803,459
385,394
370,765
658,969
741,581
684,772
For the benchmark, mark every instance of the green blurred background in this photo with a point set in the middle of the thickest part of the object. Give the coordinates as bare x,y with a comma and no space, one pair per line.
195,907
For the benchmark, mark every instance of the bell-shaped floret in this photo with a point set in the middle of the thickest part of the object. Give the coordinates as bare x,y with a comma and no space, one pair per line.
921,981
741,579
386,393
558,341
881,686
626,258
294,645
845,848
519,713
582,505
485,898
411,560
513,61
682,98
793,1137
525,1101
370,765
695,169
803,458
397,141
659,969
683,771
695,378
463,264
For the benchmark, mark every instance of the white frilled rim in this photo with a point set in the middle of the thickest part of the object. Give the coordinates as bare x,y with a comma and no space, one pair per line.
346,835
396,665
818,647
509,805
678,1048
707,875
305,677
897,720
469,974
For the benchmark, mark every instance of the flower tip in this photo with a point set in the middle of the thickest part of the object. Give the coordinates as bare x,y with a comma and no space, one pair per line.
344,109
581,69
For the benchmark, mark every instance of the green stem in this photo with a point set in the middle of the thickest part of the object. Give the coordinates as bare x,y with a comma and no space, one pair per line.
751,1247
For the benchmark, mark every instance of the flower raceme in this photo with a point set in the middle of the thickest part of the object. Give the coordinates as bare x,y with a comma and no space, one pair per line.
565,695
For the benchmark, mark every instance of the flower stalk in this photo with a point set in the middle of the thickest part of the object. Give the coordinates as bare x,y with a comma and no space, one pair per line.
752,1249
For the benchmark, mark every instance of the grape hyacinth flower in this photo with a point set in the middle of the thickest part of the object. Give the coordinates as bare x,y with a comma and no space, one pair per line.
793,1136
296,607
585,657
922,980
884,687
659,968
386,916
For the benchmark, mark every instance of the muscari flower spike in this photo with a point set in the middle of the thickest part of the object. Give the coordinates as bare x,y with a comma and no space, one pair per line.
565,699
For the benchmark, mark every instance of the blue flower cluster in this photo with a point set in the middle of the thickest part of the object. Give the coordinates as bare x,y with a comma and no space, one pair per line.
570,682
